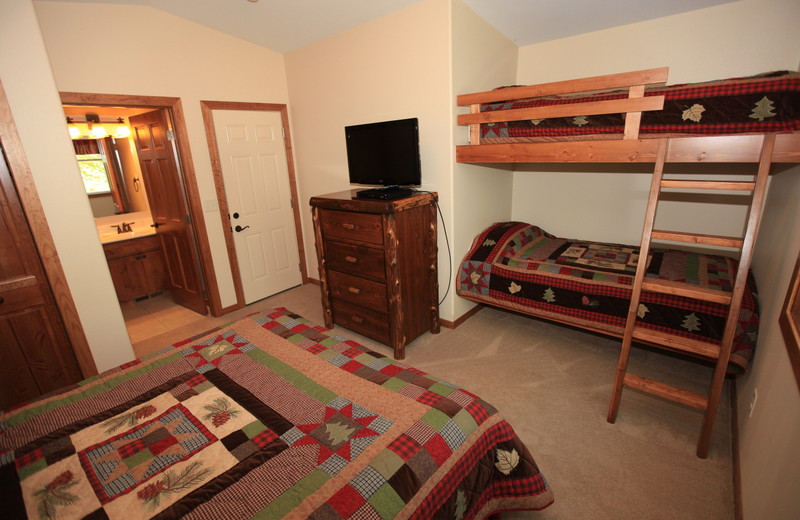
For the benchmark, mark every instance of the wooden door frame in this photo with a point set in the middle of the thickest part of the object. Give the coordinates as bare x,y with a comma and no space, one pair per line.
216,167
188,177
37,221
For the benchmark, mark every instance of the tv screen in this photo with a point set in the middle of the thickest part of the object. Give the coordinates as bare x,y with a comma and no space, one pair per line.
385,153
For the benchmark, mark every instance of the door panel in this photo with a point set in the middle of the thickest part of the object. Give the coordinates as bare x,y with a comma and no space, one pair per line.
35,353
255,173
169,209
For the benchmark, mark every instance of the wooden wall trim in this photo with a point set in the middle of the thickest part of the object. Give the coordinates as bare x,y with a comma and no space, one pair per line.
186,165
208,122
29,197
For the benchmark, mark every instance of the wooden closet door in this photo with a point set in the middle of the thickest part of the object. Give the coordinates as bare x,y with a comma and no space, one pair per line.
35,353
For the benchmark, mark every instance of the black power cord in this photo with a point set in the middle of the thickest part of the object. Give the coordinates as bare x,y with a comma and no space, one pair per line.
447,243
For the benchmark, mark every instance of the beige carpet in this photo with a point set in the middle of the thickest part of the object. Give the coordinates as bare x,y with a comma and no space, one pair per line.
553,384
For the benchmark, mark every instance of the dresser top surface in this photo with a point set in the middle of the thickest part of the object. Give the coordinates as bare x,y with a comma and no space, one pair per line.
348,201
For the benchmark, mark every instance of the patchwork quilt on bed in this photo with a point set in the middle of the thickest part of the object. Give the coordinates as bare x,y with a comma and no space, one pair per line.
269,417
767,102
520,267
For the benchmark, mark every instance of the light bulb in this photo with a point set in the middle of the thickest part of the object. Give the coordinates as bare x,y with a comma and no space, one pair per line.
99,131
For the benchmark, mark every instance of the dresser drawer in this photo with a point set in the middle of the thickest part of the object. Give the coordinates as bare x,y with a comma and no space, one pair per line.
357,259
358,290
364,227
368,322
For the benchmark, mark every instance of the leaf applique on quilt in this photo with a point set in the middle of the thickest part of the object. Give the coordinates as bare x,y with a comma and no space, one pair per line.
691,323
506,461
514,288
55,494
461,505
693,113
129,419
475,277
190,477
489,242
549,295
642,310
536,121
580,120
764,108
220,412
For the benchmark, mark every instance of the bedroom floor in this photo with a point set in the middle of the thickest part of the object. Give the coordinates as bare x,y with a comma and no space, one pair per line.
552,383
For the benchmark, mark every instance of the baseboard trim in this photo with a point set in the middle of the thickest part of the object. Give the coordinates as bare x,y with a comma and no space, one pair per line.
463,318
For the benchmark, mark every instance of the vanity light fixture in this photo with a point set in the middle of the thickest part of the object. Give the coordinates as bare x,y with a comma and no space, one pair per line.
93,128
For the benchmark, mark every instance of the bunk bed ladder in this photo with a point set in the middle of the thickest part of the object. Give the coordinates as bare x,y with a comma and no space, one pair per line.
719,353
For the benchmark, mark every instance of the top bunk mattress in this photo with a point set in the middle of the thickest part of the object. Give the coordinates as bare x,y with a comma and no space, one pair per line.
768,102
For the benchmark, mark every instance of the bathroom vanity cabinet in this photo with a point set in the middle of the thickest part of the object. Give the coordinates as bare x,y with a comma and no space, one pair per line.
137,267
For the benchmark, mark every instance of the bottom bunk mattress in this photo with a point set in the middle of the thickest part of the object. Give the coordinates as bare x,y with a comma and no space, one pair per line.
520,267
269,417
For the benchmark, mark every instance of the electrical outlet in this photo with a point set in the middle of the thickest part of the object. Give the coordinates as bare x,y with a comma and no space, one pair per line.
753,402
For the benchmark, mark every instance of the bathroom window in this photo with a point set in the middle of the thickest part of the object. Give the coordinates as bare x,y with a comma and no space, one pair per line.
94,173
100,173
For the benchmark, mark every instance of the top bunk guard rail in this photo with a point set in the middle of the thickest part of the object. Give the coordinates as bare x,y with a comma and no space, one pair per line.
627,147
635,82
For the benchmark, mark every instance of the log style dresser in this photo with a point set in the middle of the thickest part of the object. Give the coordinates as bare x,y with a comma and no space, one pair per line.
377,265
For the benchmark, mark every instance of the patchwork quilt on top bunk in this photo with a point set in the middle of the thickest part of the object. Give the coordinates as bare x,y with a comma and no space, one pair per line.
518,266
768,102
269,417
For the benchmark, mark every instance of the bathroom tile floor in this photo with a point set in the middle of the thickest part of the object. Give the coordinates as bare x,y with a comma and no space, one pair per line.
157,322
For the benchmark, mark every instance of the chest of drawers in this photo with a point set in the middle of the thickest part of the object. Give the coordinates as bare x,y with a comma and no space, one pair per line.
377,265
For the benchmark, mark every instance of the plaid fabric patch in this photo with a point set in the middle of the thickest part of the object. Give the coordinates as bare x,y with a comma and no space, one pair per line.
764,103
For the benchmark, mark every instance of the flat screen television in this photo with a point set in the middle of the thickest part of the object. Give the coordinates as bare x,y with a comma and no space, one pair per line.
384,153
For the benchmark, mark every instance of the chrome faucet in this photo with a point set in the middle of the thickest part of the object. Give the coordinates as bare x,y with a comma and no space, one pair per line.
124,227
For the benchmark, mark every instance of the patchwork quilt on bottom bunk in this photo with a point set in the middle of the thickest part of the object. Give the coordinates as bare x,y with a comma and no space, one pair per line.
269,417
518,266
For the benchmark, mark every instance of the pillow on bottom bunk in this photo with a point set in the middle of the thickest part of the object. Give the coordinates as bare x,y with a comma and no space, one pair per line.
518,266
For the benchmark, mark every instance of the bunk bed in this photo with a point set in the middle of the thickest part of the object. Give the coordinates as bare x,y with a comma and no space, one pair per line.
268,417
634,118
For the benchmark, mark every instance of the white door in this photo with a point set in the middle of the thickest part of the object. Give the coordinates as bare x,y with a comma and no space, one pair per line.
256,176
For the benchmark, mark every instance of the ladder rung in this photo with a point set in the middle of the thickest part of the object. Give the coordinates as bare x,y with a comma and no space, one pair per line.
709,185
677,343
687,290
667,391
697,238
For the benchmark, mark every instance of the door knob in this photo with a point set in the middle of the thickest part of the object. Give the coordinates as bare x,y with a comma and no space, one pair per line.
239,229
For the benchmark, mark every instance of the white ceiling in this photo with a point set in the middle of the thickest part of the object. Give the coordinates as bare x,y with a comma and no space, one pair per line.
285,25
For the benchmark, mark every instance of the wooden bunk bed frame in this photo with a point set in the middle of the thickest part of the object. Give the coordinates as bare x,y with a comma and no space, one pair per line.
762,149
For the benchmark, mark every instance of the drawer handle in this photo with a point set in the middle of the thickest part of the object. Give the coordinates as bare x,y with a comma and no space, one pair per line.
347,226
354,290
357,319
351,259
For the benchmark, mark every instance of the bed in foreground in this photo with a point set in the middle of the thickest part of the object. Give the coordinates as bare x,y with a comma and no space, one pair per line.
270,417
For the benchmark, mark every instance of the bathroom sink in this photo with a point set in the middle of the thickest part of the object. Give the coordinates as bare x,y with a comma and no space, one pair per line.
127,235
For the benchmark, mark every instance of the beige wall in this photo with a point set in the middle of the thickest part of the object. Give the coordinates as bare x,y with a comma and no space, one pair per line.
769,446
735,39
166,56
36,108
482,59
739,38
391,68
